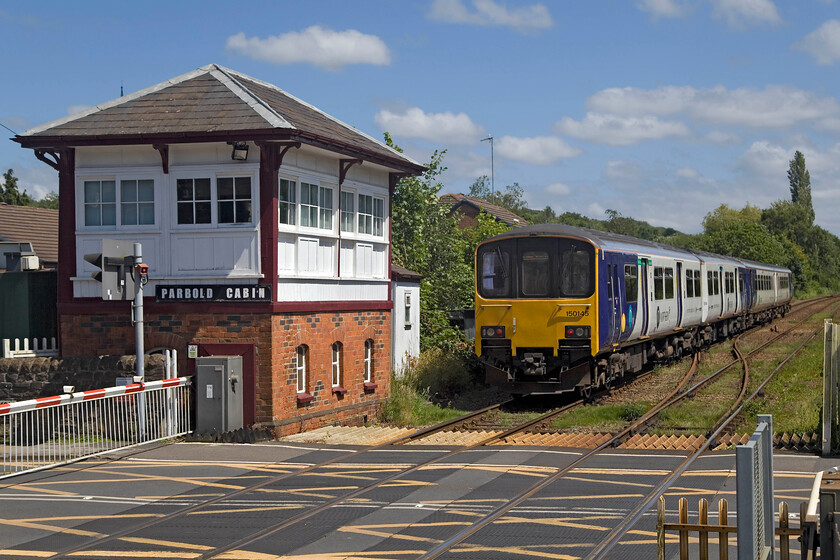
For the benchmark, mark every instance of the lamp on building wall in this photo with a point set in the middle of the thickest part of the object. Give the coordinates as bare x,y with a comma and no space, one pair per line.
240,151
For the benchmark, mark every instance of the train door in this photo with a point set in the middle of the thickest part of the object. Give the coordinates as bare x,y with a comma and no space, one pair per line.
615,293
644,282
679,293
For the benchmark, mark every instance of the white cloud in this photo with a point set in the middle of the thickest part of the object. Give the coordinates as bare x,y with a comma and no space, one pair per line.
823,43
558,189
623,171
316,45
766,160
663,8
617,130
721,137
542,150
437,127
687,173
739,14
488,12
774,106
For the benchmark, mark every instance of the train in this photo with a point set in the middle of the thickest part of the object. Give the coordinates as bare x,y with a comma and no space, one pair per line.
560,308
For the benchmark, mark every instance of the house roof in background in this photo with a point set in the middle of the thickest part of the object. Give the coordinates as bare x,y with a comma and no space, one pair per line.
500,213
39,226
212,103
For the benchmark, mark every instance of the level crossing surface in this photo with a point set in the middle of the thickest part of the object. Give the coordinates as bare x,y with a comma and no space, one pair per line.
74,506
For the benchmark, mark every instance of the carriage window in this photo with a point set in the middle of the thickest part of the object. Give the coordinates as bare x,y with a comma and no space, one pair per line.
717,283
631,283
698,284
575,274
495,279
689,283
669,283
536,274
658,283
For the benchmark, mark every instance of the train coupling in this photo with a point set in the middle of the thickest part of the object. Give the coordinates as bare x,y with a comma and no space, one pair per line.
533,363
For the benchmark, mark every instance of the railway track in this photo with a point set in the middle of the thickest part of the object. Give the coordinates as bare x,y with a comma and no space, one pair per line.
267,529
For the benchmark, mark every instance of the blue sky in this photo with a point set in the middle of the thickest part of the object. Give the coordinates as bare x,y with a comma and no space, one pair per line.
659,109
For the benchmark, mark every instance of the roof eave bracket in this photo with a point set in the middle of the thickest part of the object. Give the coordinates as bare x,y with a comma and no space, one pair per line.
344,167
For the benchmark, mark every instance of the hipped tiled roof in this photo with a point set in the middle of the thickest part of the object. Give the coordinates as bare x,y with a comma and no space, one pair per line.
500,213
39,226
212,103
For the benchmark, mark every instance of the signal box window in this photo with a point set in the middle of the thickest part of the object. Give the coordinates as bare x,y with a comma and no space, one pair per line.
234,200
100,203
286,196
368,360
301,359
193,201
137,202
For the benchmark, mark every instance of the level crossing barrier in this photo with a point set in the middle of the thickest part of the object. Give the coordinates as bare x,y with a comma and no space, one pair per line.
49,431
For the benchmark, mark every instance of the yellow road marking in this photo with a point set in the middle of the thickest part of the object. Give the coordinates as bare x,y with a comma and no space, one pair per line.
516,551
614,482
172,544
26,553
50,528
234,510
560,521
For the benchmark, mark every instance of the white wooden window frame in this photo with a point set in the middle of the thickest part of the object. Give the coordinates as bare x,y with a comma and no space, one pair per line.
368,363
336,364
214,173
128,174
301,359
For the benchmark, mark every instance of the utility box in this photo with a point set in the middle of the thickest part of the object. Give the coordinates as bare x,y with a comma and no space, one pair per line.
218,399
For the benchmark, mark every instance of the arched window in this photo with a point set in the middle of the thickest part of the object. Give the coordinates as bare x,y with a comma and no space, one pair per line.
301,365
337,354
368,360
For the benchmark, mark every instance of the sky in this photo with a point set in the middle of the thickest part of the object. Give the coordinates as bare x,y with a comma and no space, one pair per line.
659,109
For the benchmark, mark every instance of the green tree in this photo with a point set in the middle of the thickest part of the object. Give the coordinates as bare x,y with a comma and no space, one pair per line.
800,184
10,193
49,201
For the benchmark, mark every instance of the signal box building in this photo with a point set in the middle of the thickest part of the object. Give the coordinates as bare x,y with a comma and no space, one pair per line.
266,226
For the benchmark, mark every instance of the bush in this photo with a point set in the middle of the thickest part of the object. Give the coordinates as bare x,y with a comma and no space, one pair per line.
632,411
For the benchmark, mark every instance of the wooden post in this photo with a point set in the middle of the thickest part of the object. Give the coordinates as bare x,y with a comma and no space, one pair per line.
704,535
723,538
784,539
660,528
683,520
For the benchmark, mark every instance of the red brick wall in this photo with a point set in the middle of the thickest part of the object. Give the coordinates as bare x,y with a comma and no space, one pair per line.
276,338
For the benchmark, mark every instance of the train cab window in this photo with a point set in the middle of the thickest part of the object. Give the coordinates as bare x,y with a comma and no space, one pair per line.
576,272
669,283
658,283
494,278
536,274
631,283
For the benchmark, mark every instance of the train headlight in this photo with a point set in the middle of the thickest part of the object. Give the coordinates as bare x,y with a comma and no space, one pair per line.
577,331
493,332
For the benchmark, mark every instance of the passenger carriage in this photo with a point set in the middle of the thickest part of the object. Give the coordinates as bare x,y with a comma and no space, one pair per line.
560,308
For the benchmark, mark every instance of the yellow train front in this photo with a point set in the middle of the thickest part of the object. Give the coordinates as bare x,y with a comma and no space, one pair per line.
536,312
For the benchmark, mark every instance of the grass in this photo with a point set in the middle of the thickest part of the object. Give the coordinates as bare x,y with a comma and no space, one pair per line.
602,418
424,392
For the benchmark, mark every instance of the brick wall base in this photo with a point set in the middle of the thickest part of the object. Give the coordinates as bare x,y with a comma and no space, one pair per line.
275,338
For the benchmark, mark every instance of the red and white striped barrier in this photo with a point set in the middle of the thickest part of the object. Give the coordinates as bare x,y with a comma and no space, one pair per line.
57,400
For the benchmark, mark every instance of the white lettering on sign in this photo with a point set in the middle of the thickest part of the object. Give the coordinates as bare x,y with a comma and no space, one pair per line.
213,293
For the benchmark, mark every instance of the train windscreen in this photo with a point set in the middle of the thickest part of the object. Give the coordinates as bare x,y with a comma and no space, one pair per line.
535,268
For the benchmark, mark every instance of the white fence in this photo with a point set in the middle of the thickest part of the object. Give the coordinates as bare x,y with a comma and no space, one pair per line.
38,348
49,431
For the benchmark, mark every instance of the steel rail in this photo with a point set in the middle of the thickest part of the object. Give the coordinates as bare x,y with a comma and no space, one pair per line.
534,489
257,536
618,532
256,486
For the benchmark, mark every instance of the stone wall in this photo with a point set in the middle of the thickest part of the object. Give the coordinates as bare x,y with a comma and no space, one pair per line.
30,378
